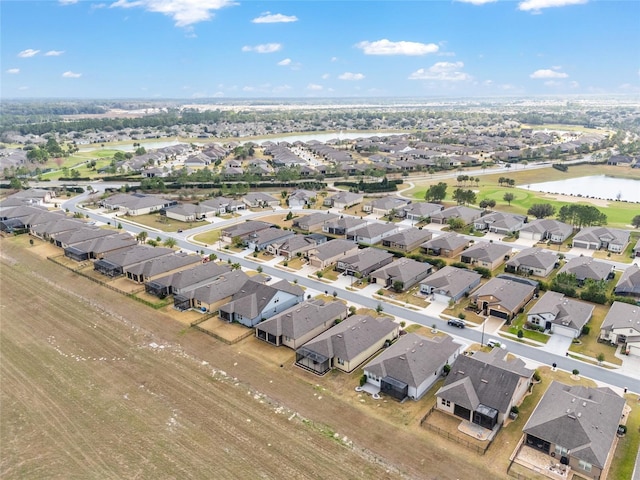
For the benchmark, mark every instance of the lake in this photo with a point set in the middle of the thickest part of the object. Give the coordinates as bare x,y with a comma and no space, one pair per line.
596,186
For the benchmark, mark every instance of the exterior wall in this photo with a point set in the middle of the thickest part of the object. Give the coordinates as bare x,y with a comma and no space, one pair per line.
181,218
585,244
349,366
531,235
295,343
565,331
558,238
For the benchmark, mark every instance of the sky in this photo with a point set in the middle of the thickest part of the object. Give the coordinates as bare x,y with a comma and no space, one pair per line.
194,49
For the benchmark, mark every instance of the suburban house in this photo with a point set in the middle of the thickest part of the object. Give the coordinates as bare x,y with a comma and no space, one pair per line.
546,229
242,230
483,387
560,314
586,267
343,200
343,225
348,344
208,296
52,228
467,214
301,198
450,283
629,283
621,326
407,240
636,249
259,241
620,160
595,238
576,426
224,205
184,280
418,211
136,203
83,234
498,222
533,261
502,298
410,367
116,263
157,267
328,253
446,245
31,196
296,245
385,205
487,255
260,200
402,274
362,262
313,222
372,233
300,323
257,301
99,247
187,212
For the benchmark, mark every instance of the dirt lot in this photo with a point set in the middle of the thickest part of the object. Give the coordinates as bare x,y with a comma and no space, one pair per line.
96,385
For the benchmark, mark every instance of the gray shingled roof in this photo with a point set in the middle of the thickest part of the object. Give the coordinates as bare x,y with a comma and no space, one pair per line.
587,267
253,297
622,315
447,241
629,283
409,236
403,269
581,419
156,266
136,254
365,258
487,252
451,280
549,225
596,234
194,275
509,293
534,257
373,230
422,209
224,286
465,213
333,248
566,311
413,358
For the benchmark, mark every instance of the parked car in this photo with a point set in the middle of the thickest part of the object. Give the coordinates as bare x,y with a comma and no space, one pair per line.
495,343
456,322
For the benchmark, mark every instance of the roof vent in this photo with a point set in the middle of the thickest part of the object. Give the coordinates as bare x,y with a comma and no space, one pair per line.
483,380
579,414
584,404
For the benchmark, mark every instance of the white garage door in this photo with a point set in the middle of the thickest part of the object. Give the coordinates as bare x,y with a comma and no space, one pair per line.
564,331
440,298
634,349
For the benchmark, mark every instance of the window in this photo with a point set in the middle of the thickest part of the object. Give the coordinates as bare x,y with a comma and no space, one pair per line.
561,451
586,466
340,361
446,402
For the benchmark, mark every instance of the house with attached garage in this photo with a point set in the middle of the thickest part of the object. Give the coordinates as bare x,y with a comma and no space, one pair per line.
83,234
450,283
446,245
98,248
621,326
576,426
483,387
116,263
224,205
242,230
328,253
362,262
487,255
403,273
259,241
502,298
343,225
418,211
301,198
209,295
467,214
587,268
187,212
533,261
410,367
343,200
629,283
561,315
498,222
296,245
348,344
136,203
384,206
546,229
260,200
188,279
407,240
313,222
372,233
158,267
596,238
300,323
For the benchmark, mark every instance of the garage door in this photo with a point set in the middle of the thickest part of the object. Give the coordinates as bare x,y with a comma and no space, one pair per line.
440,298
634,349
564,331
461,412
499,314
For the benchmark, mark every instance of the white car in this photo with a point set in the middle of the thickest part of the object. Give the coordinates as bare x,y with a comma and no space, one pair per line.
493,343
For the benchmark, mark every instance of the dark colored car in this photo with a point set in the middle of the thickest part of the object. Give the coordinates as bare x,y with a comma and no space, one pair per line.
455,322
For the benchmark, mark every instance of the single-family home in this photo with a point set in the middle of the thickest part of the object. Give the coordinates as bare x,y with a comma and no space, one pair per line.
224,205
402,274
98,248
498,222
83,234
259,241
362,262
160,266
587,268
450,283
502,298
629,283
257,301
313,222
621,326
296,245
410,367
343,225
385,205
297,325
260,200
407,240
445,245
533,261
187,212
343,200
576,426
418,211
189,279
55,227
595,238
546,229
136,203
625,160
636,249
372,232
482,388
467,214
328,253
348,344
210,295
485,254
114,264
301,198
559,314
241,231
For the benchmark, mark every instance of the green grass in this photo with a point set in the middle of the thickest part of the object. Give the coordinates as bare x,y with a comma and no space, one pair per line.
624,458
589,344
208,238
518,323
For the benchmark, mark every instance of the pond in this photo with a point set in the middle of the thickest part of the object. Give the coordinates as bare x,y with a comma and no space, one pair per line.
596,186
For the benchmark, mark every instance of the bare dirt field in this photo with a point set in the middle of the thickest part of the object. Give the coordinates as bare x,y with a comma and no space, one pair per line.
96,385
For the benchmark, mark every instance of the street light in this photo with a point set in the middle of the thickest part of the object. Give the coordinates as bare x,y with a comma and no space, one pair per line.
482,338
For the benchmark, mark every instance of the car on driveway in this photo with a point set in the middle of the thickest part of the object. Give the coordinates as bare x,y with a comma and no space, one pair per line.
456,322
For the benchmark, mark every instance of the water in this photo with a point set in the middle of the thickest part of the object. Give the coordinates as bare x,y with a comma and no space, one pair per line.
596,186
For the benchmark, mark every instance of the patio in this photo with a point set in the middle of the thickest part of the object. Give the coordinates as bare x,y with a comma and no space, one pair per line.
542,463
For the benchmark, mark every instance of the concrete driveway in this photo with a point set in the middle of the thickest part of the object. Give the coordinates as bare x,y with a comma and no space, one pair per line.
558,344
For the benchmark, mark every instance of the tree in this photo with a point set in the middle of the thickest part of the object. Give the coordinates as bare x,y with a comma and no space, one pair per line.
142,236
398,285
379,308
509,197
259,269
235,266
436,193
456,223
170,242
581,215
541,210
464,196
636,221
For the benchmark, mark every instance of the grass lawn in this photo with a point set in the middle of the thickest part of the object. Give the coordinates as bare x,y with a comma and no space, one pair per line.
208,238
461,308
159,222
518,323
408,297
328,273
589,344
625,257
624,457
296,263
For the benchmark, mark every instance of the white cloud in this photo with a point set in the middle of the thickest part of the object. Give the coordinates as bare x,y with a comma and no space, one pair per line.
23,88
13,71
477,2
71,74
29,52
446,71
387,47
314,87
268,17
264,48
548,73
285,62
574,84
537,5
334,59
183,12
351,76
67,2
325,76
54,53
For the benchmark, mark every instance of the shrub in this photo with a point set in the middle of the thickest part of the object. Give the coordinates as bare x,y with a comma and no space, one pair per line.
586,329
515,409
485,272
363,380
460,265
520,335
575,372
446,369
462,316
536,376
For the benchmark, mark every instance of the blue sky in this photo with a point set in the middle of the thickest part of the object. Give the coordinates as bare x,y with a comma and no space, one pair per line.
307,48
